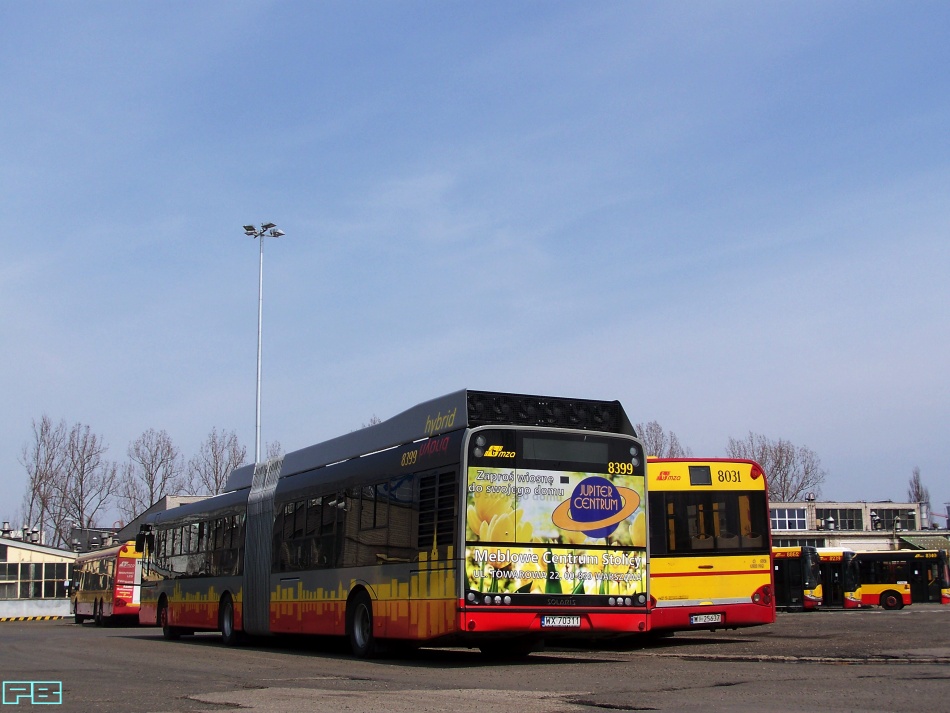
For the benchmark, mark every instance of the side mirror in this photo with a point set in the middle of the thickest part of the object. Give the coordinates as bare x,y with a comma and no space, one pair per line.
140,542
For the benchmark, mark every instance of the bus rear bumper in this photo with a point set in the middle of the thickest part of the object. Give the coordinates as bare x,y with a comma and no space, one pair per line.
553,623
730,616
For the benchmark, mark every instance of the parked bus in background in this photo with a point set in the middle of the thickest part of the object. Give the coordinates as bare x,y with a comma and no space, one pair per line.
710,564
107,584
480,519
896,578
798,584
840,578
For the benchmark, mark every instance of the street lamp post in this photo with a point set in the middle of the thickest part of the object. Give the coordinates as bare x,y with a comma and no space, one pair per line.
268,230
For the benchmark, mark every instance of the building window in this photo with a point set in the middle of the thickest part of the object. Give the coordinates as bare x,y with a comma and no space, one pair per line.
839,519
788,518
798,542
8,581
34,580
893,519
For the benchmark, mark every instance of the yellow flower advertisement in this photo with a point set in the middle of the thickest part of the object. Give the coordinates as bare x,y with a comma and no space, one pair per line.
532,531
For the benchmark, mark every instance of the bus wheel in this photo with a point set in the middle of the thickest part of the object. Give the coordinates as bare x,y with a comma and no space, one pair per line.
359,626
79,618
229,636
170,633
891,600
97,613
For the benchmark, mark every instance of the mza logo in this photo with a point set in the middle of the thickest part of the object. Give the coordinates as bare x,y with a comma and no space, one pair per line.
33,692
666,475
498,452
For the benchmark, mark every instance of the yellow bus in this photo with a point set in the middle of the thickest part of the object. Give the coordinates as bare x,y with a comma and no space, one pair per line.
107,584
840,578
710,562
798,584
896,578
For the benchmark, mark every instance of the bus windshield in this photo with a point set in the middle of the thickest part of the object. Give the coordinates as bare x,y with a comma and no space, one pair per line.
687,522
811,568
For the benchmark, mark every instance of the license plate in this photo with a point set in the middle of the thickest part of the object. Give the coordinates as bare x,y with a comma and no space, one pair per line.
561,622
705,619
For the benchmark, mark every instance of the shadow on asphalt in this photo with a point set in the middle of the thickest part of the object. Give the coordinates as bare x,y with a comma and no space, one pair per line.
563,652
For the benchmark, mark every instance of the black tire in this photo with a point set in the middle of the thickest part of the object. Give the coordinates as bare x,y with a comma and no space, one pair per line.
97,613
229,635
359,626
170,633
79,618
891,600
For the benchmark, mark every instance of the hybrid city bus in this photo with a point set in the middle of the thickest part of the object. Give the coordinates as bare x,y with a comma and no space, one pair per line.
481,519
107,584
896,578
710,564
798,584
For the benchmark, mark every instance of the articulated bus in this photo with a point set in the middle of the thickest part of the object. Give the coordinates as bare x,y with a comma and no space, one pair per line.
798,585
896,578
840,578
480,519
710,564
107,584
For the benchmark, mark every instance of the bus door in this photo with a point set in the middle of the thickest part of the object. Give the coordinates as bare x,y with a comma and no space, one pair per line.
788,583
921,575
831,581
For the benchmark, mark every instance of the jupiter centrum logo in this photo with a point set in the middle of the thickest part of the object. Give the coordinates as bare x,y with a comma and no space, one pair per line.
596,507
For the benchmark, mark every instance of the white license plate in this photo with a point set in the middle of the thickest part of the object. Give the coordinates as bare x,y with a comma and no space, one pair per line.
705,619
561,622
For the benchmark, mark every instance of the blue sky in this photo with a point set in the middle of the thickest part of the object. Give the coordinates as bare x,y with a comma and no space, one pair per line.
732,217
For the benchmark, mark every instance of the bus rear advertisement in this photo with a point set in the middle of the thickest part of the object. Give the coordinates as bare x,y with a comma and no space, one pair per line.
710,564
107,584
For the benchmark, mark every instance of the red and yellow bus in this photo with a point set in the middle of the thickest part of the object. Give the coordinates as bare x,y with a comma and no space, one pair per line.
479,519
840,578
798,584
107,584
895,578
710,563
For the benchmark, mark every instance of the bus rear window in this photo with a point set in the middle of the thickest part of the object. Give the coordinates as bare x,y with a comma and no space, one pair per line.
700,475
561,449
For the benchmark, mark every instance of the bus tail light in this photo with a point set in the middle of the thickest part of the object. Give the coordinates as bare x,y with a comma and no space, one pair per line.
763,595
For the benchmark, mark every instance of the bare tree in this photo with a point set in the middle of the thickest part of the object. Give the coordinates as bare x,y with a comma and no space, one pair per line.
90,482
155,469
45,463
916,492
274,450
792,471
659,443
217,456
